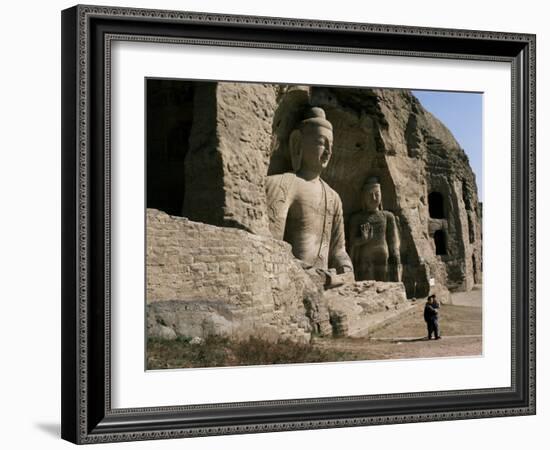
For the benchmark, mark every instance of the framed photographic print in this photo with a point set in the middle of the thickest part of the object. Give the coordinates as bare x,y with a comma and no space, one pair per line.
277,224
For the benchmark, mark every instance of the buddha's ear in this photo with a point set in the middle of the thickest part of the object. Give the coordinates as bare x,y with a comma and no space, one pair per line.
295,147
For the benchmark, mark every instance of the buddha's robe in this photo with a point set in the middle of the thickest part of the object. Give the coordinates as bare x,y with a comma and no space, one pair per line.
308,215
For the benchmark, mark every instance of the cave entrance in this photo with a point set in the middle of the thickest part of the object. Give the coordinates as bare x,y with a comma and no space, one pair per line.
169,117
440,241
435,205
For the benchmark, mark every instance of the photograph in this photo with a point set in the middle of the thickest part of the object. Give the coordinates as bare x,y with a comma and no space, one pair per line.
311,223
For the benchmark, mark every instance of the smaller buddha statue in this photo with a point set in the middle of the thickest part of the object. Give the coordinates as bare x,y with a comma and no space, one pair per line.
374,238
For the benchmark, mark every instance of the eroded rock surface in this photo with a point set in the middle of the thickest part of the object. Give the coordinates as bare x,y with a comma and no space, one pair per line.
425,177
228,155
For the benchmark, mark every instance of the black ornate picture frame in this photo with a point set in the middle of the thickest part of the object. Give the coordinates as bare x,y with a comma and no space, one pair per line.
87,414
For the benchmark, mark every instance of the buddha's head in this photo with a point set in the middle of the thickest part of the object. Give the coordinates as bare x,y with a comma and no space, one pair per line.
371,194
311,142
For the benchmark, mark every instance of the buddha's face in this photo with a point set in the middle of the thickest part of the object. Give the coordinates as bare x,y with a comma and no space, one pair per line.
372,197
316,148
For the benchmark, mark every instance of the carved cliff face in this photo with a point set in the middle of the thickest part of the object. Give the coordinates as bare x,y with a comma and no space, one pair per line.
315,146
241,132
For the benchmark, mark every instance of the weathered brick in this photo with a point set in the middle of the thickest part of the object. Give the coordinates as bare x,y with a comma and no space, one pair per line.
226,265
198,267
205,258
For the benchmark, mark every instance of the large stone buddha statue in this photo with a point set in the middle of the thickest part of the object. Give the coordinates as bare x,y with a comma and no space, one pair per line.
303,210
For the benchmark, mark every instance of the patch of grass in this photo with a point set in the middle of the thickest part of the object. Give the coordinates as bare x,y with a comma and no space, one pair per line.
217,351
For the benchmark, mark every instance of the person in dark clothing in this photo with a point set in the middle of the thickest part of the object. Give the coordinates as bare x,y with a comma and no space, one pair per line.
431,316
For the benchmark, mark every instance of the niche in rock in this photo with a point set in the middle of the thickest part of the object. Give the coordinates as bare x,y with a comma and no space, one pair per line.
436,205
440,241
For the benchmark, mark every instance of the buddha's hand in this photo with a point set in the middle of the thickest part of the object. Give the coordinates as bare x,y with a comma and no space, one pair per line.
366,231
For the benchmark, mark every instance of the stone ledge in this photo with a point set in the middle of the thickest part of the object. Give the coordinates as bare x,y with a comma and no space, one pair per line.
355,309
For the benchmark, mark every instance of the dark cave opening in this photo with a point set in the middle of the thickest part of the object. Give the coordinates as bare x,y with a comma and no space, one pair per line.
440,241
169,117
436,205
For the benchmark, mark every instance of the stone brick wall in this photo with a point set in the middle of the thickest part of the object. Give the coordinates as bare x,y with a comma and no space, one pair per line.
203,279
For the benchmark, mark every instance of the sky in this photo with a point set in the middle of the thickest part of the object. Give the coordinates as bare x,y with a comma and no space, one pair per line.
461,112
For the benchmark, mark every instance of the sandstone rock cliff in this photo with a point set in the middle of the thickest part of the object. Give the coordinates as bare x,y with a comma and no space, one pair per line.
227,271
425,177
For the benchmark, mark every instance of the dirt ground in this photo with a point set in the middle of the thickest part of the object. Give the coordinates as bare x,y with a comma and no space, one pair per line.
406,336
471,298
403,337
